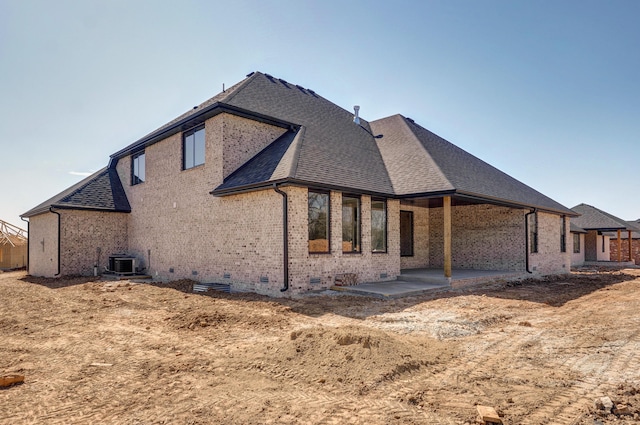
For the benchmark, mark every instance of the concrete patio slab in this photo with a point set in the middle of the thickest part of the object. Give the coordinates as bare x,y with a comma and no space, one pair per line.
392,289
417,281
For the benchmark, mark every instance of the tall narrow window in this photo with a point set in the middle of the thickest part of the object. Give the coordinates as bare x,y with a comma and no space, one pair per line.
138,168
576,243
350,224
378,225
602,243
406,233
533,232
563,234
318,222
193,148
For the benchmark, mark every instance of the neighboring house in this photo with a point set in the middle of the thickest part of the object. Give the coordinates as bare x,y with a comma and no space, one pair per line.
627,244
577,244
603,230
13,246
270,187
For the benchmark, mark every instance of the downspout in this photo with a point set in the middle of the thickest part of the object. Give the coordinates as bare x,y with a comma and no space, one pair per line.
285,237
59,256
29,242
526,239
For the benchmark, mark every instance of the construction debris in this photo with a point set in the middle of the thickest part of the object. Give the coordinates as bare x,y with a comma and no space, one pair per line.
488,415
12,379
604,403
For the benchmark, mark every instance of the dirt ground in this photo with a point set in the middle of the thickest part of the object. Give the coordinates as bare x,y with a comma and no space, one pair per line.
539,352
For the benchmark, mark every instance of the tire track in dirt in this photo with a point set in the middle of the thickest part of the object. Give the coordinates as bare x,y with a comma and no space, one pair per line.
569,406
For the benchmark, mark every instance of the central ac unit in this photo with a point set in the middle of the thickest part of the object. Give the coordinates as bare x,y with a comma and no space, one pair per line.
122,264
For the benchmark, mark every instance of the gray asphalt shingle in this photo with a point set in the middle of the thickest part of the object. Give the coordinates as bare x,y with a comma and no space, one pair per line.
592,218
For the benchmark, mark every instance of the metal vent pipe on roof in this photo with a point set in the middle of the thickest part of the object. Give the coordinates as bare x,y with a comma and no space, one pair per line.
356,118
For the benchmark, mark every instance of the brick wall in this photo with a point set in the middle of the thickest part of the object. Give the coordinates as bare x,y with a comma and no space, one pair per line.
88,238
421,223
484,237
635,250
549,259
323,268
182,231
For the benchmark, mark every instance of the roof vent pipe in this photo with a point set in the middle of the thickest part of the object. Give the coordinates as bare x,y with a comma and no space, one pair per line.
356,118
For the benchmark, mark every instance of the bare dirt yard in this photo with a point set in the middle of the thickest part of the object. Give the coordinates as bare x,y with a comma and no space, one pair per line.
539,352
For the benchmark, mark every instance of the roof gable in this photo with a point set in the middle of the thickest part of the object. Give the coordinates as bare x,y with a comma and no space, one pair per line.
420,161
592,218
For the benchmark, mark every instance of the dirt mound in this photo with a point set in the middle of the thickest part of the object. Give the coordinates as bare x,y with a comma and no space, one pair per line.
221,314
357,358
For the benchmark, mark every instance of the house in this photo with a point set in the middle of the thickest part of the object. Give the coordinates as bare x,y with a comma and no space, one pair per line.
269,187
577,244
603,230
13,246
627,244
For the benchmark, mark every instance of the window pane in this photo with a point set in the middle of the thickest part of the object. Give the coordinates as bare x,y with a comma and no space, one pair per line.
137,168
141,168
350,224
198,147
378,226
188,151
318,222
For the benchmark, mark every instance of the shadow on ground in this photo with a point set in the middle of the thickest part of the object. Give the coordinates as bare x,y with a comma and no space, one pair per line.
554,291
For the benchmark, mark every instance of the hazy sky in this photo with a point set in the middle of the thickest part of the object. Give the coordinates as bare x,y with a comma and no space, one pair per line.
548,91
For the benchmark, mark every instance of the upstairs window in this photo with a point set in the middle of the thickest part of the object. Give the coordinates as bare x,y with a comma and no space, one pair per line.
318,222
138,168
193,148
378,225
350,224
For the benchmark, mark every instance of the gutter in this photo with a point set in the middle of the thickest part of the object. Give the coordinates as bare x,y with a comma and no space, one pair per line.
526,239
285,237
59,244
28,241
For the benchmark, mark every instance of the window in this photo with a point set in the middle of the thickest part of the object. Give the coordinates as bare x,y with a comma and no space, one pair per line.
602,243
563,234
318,222
378,225
193,148
350,224
137,168
406,233
576,243
533,232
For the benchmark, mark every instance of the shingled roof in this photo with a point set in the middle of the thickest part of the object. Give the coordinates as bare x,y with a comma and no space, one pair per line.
421,162
592,218
101,191
331,150
323,147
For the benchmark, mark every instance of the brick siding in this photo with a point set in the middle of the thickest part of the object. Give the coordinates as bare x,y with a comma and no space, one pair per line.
635,250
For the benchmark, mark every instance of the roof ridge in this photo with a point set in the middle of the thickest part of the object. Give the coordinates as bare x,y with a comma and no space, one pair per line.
297,142
416,139
239,86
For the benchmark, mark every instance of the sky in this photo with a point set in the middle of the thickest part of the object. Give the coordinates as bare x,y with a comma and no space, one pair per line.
547,91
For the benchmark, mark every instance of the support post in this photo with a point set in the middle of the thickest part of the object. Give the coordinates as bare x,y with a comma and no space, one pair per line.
447,236
619,247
